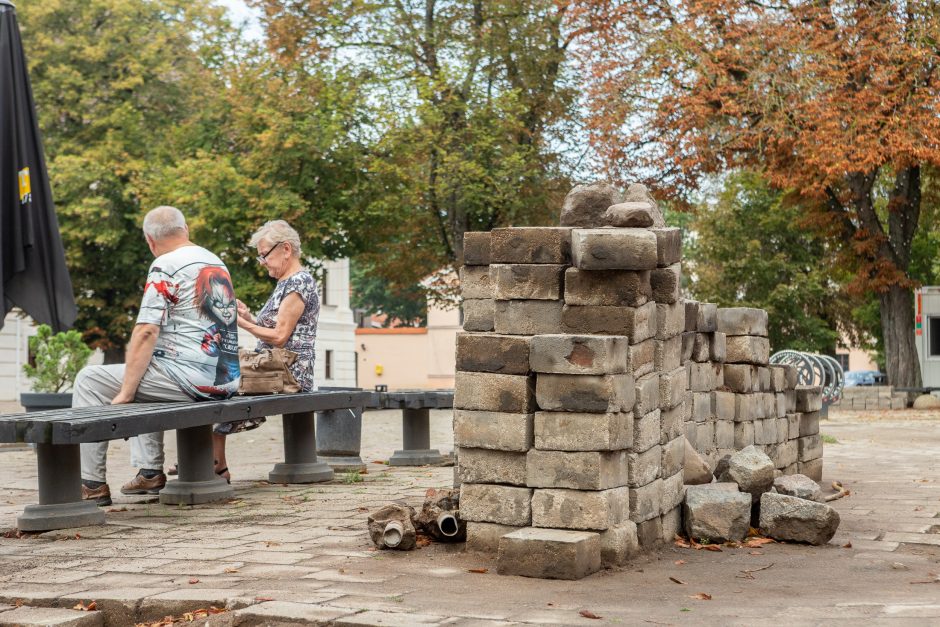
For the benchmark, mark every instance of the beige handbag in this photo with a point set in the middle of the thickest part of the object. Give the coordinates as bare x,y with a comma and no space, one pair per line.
267,371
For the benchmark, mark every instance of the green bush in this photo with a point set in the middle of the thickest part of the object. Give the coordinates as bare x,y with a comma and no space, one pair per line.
58,359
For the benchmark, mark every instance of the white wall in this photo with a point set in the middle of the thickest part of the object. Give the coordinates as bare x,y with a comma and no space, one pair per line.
13,354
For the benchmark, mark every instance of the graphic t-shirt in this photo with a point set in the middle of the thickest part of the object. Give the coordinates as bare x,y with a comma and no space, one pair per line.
189,294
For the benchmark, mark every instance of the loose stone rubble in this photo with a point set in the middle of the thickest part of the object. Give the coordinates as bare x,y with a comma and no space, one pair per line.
583,375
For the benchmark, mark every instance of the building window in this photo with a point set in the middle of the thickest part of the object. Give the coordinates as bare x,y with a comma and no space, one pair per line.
933,336
328,365
324,291
843,360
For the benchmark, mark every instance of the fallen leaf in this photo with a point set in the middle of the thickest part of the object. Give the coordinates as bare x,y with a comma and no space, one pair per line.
751,532
679,562
589,614
230,570
479,571
193,580
678,581
681,542
18,603
847,545
754,543
114,510
701,596
78,536
263,599
81,607
756,553
550,604
711,547
271,543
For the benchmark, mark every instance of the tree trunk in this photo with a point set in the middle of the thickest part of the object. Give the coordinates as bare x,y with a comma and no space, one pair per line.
897,326
114,355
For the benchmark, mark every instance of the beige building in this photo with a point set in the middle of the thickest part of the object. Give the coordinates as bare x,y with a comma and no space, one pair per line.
410,357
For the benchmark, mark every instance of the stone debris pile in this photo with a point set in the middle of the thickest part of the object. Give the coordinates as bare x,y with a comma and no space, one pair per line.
586,385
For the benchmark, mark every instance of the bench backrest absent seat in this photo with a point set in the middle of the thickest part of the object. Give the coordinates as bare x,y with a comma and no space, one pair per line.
57,435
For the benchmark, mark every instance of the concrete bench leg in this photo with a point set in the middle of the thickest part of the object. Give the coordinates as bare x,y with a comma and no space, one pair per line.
416,436
300,453
60,493
339,439
197,481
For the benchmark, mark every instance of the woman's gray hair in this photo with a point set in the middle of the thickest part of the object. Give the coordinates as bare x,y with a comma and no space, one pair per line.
277,231
163,222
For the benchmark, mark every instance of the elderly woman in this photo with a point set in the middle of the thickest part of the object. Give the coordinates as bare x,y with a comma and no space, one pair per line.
288,320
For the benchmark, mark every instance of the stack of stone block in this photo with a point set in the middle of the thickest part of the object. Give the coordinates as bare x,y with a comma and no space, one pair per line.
872,397
709,426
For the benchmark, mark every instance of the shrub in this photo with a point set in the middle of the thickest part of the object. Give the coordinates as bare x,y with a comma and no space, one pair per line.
58,358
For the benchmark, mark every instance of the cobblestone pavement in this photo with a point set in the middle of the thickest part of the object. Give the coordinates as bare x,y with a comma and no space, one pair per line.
300,554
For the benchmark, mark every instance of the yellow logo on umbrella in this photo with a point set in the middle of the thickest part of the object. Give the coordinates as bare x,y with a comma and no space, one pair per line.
26,191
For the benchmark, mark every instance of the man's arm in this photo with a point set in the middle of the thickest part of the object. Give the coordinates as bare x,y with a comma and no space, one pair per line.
139,352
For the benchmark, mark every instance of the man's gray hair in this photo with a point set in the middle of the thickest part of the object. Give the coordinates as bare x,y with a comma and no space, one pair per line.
277,231
163,222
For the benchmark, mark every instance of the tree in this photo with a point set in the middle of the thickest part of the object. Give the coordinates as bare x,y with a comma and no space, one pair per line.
402,305
750,250
468,98
111,79
835,100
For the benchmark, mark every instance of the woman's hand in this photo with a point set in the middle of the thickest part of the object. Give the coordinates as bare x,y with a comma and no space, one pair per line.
243,311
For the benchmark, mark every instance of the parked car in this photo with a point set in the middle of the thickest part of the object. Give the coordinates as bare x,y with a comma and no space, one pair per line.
864,377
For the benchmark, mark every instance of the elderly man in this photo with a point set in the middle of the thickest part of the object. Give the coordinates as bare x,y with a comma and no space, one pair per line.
184,347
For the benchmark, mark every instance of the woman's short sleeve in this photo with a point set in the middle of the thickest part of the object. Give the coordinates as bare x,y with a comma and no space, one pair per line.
303,284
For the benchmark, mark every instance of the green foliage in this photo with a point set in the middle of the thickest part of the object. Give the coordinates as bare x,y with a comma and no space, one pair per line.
352,477
404,305
58,359
751,251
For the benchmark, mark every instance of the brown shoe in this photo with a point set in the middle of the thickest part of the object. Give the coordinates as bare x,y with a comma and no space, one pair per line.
100,495
142,485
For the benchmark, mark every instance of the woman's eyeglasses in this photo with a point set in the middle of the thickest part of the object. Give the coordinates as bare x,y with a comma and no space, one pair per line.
264,258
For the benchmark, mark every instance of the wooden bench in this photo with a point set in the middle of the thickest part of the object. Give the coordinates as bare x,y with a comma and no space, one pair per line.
57,435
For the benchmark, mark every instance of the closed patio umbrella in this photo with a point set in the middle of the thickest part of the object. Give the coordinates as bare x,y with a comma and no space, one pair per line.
32,259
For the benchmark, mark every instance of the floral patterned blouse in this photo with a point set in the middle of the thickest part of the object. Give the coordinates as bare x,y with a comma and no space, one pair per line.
304,336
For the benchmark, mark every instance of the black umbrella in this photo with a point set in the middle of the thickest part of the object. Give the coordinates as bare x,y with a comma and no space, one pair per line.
35,278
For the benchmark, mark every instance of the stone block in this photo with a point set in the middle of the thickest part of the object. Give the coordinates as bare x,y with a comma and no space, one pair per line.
493,430
586,205
673,492
703,407
485,391
780,403
810,447
691,316
484,537
778,378
747,407
580,509
646,431
596,470
724,405
527,281
629,215
478,314
701,347
476,248
673,457
752,470
809,423
619,544
666,283
742,321
585,393
571,431
580,354
747,349
647,394
637,323
758,432
783,430
650,532
718,347
763,377
532,244
646,501
615,288
790,400
490,352
793,422
479,465
549,553
527,317
476,282
794,519
743,434
739,377
705,436
799,486
812,469
644,467
707,318
808,398
28,616
672,422
670,320
668,245
667,353
724,434
672,524
642,357
787,454
672,387
792,376
504,505
688,346
703,376
716,515
613,249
